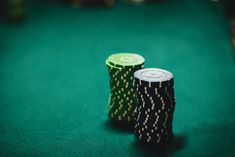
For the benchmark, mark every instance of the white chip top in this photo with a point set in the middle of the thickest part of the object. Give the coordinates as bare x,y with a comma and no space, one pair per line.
153,75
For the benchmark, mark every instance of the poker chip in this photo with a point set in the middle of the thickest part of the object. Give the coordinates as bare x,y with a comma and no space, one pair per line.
125,60
122,99
155,105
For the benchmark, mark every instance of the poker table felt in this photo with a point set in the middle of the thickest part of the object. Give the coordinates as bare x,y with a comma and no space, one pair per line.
54,84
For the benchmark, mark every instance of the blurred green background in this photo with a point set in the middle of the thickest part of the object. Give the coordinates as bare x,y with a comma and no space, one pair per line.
54,85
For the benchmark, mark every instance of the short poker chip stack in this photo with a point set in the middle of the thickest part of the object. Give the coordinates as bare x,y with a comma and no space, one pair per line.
122,99
155,106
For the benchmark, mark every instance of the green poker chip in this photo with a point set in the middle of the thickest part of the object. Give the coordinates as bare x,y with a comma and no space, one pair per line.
122,99
125,60
110,66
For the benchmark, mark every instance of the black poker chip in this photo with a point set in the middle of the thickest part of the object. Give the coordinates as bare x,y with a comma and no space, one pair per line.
155,105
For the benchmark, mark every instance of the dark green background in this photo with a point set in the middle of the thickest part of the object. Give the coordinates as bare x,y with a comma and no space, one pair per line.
54,83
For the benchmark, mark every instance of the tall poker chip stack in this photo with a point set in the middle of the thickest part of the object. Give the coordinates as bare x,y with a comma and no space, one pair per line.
155,105
122,99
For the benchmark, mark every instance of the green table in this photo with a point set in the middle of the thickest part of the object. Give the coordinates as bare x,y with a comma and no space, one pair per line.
54,83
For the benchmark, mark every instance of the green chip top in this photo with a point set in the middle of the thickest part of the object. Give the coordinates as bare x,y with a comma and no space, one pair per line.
125,59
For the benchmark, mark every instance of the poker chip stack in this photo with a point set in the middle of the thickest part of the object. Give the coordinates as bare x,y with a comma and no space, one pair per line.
155,106
122,99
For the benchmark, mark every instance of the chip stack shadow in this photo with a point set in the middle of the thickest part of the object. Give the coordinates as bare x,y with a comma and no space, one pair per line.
122,99
155,106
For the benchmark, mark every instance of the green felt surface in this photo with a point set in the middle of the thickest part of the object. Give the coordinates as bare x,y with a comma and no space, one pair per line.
54,82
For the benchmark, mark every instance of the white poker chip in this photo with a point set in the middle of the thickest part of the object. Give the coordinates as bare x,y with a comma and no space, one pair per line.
153,75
